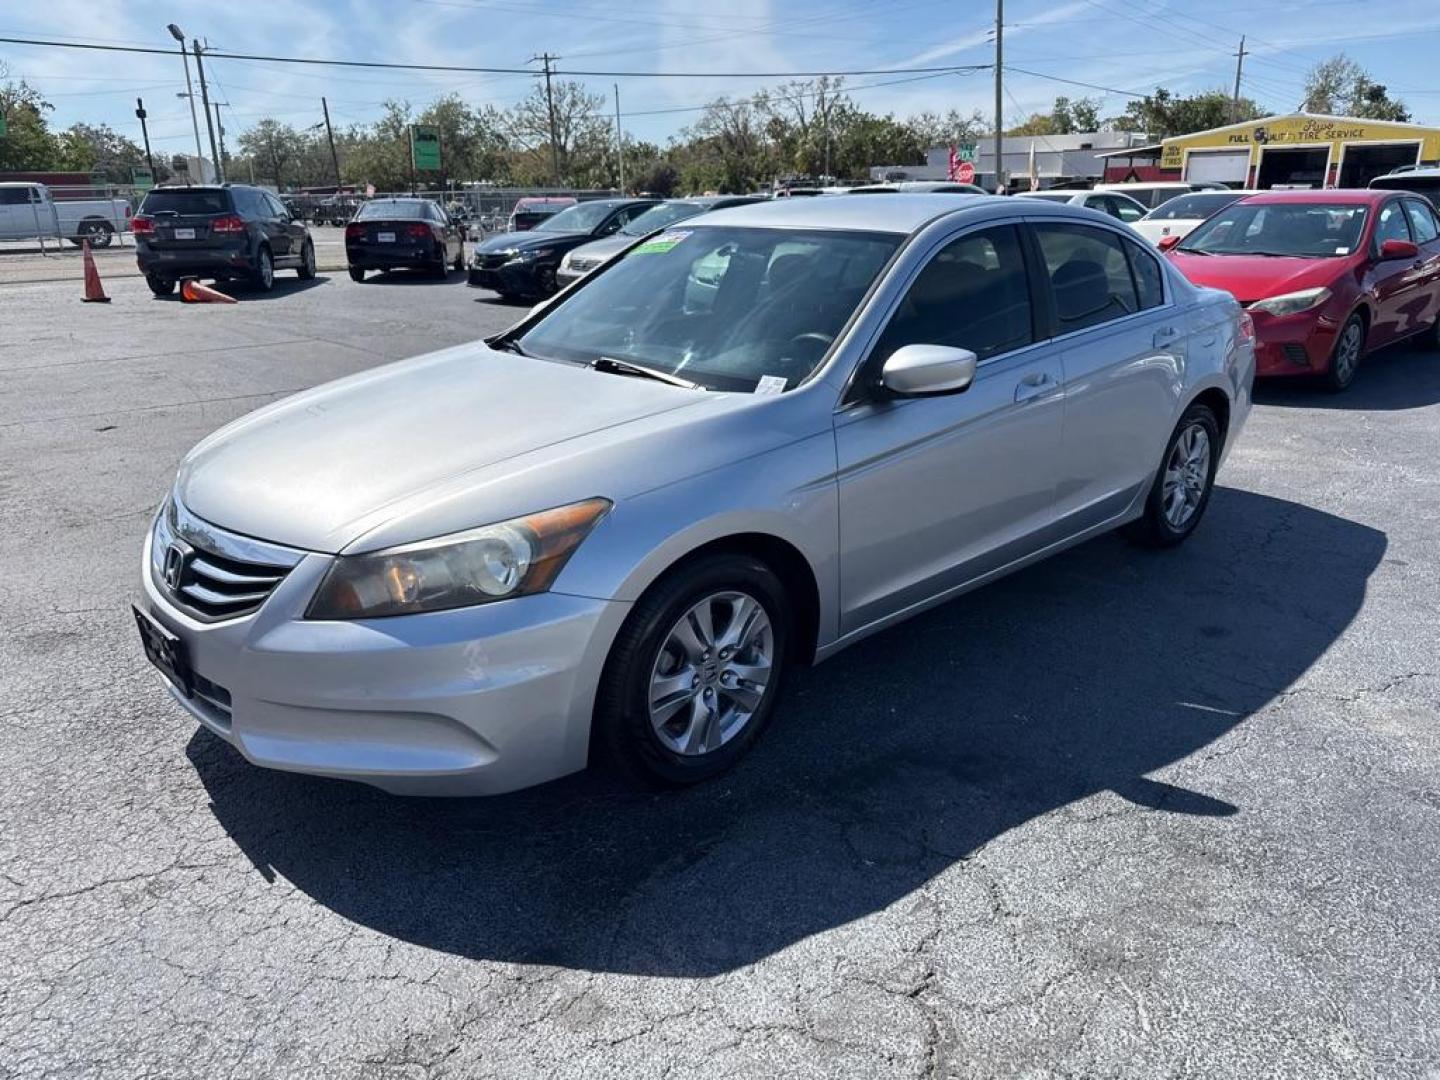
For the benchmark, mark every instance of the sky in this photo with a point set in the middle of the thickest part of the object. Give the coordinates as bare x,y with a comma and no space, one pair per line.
1127,47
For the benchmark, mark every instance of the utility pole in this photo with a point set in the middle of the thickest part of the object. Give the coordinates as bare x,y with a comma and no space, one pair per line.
330,134
220,134
145,134
1235,100
205,101
620,138
547,59
999,101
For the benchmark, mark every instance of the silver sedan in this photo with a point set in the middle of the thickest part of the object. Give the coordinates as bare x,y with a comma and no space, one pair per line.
610,532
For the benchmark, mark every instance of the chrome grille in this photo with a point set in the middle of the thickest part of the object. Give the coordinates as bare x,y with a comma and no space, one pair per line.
211,573
486,261
584,264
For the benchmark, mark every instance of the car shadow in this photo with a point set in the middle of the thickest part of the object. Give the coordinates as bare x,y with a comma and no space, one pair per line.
414,277
496,300
1079,676
246,293
1398,377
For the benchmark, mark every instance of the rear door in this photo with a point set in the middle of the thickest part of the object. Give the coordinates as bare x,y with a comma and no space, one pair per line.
938,491
1425,229
1122,346
292,231
17,217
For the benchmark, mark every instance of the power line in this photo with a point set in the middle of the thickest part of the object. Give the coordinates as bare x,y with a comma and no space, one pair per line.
376,64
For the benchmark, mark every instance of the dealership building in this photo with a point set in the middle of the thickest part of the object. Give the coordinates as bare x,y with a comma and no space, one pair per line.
1301,150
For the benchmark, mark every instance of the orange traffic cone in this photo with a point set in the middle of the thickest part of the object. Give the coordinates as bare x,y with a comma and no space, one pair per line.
192,292
94,293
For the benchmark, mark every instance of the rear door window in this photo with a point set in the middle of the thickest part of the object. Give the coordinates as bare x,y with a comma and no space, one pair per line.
1422,221
14,196
1089,275
1390,225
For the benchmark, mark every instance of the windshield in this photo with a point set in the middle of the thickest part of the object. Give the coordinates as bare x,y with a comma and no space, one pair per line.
1192,206
657,217
187,202
577,219
728,308
1305,230
404,209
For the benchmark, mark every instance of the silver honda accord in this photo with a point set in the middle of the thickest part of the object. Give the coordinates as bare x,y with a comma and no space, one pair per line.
610,532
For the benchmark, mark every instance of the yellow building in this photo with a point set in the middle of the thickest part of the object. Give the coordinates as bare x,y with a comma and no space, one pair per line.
1300,150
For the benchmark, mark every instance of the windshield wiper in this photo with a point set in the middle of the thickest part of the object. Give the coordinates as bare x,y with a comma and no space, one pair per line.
625,367
507,344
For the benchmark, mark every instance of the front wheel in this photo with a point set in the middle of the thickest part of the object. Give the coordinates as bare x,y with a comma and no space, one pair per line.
694,674
264,277
1181,489
357,274
1345,356
306,271
159,284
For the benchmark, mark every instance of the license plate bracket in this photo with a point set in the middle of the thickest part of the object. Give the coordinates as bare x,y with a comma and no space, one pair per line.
385,238
184,234
166,651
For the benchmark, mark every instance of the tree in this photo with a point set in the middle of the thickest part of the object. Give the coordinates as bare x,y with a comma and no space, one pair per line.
954,128
1163,115
100,149
28,144
582,133
1069,117
727,149
1341,87
274,147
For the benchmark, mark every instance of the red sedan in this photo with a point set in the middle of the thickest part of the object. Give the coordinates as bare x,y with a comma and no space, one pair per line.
1327,276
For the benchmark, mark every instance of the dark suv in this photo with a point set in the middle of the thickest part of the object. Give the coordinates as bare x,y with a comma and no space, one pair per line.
219,231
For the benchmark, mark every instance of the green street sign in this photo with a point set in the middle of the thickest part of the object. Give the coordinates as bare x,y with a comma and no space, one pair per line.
965,151
425,148
141,179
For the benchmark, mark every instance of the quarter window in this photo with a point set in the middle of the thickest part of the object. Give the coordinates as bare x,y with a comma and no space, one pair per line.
1422,221
1149,282
973,295
1089,275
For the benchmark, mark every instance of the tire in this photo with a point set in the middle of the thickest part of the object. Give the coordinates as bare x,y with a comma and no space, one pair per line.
100,233
1162,528
263,279
306,271
709,718
1430,339
1345,356
160,285
357,274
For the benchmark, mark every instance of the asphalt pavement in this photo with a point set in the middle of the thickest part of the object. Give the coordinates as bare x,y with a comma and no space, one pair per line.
1124,814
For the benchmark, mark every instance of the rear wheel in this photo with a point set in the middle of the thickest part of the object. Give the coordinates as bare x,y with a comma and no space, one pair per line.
306,271
1345,356
694,674
98,231
1181,489
357,274
159,284
264,276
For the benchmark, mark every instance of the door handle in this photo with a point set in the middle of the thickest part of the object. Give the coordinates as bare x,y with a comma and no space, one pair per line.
1034,386
1164,336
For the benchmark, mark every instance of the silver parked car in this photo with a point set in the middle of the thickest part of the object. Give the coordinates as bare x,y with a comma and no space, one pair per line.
752,441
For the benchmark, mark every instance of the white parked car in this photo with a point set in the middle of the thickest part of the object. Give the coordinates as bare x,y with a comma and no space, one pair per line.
1176,217
28,212
1154,192
1117,205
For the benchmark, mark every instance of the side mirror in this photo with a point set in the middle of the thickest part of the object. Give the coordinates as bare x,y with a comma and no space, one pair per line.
921,370
1168,242
1398,249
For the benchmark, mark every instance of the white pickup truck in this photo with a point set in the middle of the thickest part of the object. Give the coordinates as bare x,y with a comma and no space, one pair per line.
28,212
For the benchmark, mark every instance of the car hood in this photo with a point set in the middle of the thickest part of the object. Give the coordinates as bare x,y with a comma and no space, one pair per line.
525,241
421,448
1254,277
604,249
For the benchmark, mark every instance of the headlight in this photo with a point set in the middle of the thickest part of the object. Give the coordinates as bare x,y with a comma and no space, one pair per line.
1292,303
534,253
495,562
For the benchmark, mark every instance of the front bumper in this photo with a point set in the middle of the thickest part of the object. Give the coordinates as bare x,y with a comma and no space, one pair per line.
518,277
1289,345
475,701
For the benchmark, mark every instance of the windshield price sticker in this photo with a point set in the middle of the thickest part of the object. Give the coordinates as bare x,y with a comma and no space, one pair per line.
771,384
660,244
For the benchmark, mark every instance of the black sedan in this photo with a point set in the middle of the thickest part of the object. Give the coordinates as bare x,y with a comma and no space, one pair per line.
523,264
390,233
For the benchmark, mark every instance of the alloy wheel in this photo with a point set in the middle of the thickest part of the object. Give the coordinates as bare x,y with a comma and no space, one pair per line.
1347,353
1187,474
711,673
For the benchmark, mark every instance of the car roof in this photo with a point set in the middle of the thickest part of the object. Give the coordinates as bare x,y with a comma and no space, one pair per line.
1359,196
901,213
